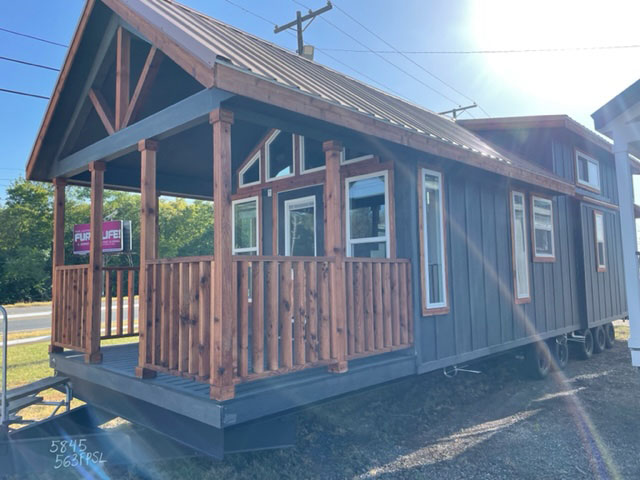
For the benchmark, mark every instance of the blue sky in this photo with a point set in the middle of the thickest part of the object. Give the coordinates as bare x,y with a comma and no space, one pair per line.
503,84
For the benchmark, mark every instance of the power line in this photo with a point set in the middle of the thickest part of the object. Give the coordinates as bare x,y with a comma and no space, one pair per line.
417,79
364,75
486,52
15,60
407,57
16,92
33,37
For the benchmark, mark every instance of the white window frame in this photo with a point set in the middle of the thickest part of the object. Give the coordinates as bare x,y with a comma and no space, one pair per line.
347,161
351,242
303,169
601,263
267,160
444,302
527,297
542,256
589,184
290,205
256,249
255,158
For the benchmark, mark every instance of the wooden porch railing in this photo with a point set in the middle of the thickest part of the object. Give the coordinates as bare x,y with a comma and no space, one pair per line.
379,305
69,306
123,282
283,313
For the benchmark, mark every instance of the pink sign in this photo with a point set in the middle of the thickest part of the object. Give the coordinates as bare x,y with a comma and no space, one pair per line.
112,240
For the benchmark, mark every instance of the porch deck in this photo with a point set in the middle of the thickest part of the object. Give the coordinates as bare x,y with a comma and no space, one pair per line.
101,383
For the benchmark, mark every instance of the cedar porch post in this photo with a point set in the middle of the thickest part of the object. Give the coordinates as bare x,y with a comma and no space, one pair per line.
57,259
148,250
94,314
334,246
222,387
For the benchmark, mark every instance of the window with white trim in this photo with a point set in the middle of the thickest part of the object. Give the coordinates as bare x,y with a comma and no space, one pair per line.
300,227
245,226
367,218
601,254
519,246
349,155
587,171
312,157
433,239
542,224
279,150
250,173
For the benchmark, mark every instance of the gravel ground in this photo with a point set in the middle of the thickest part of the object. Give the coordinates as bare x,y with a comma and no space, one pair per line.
582,423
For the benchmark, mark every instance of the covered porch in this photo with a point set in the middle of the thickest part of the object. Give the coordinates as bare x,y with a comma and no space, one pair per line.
220,319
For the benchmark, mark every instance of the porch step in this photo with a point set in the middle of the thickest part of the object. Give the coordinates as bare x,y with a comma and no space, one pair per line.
35,387
21,403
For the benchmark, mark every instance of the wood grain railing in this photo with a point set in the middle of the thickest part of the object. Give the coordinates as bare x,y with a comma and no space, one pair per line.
379,305
69,306
121,281
283,314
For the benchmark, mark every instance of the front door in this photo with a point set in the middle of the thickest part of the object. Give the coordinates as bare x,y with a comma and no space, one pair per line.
300,222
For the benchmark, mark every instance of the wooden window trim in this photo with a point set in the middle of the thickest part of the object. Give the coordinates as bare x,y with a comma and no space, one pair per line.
388,211
535,256
586,186
246,199
267,159
527,299
600,266
426,310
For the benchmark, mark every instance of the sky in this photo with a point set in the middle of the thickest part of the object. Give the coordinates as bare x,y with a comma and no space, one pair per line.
576,78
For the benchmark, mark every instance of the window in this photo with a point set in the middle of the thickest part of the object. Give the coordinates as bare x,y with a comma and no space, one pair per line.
312,155
279,155
250,173
245,226
349,155
300,227
587,171
519,246
367,216
601,255
433,240
542,225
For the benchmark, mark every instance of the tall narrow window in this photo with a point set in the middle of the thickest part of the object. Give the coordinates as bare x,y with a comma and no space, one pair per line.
279,155
542,225
601,254
300,227
367,216
245,226
587,171
519,246
433,239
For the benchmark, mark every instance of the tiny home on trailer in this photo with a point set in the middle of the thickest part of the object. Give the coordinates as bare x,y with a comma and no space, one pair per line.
358,238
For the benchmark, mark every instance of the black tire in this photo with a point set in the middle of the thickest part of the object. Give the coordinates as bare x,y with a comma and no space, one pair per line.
585,348
599,339
537,360
560,350
610,335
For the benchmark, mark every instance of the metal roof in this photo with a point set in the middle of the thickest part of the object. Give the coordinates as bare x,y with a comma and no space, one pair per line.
214,42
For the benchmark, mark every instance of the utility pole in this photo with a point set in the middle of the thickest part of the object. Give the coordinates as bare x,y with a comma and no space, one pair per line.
455,111
298,24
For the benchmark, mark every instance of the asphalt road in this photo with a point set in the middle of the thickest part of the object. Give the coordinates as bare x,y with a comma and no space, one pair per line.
22,319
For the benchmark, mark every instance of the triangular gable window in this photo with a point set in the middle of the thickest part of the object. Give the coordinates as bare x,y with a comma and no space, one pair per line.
250,173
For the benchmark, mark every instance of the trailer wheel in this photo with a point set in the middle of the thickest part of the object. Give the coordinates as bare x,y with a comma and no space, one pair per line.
610,335
537,360
560,350
599,339
585,347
